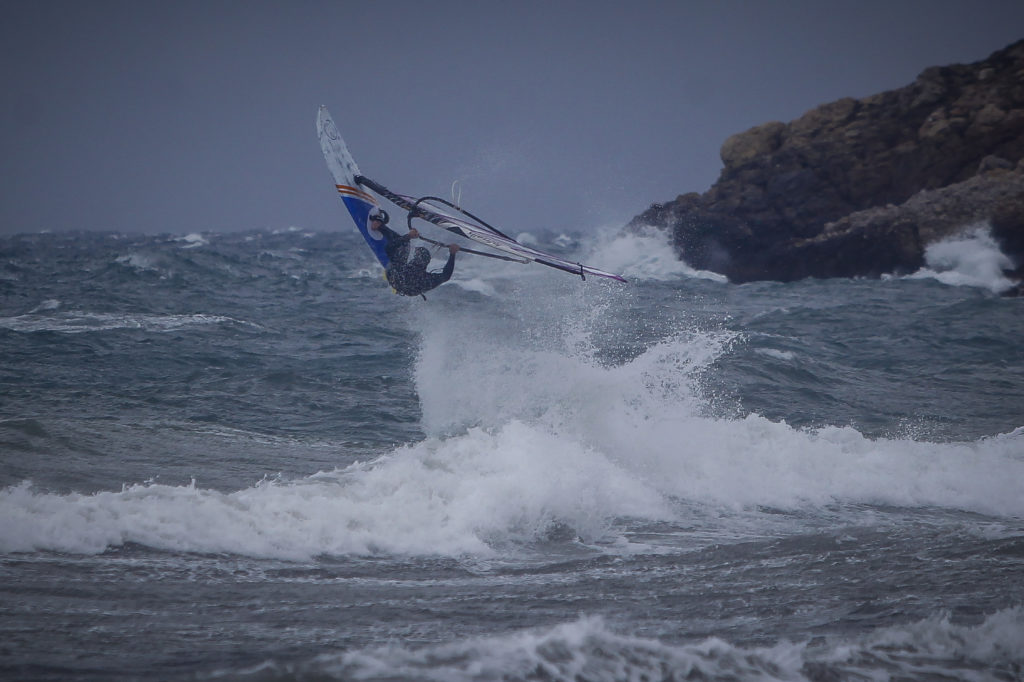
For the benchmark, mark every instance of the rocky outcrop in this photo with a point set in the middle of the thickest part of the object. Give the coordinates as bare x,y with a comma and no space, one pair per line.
859,187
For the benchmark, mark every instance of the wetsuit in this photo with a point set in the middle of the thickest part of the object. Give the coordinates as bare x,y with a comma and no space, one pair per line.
409,276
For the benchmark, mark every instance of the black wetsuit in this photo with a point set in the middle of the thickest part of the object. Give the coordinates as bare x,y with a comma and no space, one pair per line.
409,276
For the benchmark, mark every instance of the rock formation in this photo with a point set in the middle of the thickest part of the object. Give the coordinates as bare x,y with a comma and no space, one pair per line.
859,187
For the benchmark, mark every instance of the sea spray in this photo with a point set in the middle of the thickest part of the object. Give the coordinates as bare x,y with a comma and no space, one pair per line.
653,415
643,255
972,258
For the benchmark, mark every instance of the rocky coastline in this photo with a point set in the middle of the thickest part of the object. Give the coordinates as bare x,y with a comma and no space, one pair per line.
860,187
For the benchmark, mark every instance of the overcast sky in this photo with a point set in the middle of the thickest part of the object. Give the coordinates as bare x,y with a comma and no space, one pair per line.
200,116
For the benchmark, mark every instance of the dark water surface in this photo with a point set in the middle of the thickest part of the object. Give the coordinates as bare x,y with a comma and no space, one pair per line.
241,457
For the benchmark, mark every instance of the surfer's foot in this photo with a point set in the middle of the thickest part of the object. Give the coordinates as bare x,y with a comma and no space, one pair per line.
452,248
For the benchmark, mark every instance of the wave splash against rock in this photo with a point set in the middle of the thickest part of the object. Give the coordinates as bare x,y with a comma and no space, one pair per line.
861,187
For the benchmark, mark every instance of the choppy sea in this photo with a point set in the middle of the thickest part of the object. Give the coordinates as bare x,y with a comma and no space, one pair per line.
240,457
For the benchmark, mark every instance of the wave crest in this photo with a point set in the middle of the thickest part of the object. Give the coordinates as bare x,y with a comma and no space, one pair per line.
588,649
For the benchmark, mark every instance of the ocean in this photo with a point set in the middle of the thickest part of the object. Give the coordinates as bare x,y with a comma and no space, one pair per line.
240,457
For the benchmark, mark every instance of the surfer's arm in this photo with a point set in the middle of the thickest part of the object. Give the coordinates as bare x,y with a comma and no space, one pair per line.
449,267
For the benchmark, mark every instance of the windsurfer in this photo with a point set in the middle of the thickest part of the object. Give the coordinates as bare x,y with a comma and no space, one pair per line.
409,276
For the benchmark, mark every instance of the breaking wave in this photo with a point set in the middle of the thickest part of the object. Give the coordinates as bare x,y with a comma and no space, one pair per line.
522,443
590,649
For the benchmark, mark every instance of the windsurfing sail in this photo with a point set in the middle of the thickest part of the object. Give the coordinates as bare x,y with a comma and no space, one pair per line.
352,186
343,167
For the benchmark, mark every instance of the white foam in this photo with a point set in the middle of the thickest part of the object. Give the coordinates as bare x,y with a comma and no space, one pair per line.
649,416
477,285
584,650
47,305
775,353
78,322
589,649
934,648
565,241
449,497
138,262
371,272
193,240
644,255
972,259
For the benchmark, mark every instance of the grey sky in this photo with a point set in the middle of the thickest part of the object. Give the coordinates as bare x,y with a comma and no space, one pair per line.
193,116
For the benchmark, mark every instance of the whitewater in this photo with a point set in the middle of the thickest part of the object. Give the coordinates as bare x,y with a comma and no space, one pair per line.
239,456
